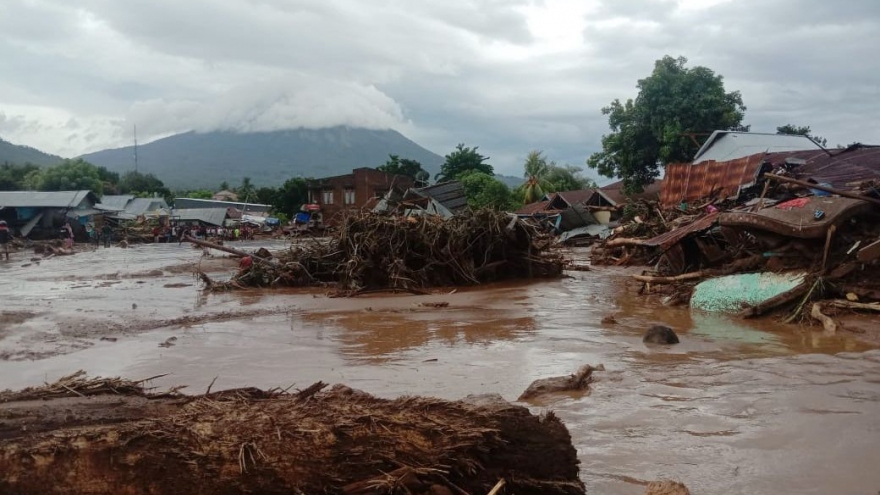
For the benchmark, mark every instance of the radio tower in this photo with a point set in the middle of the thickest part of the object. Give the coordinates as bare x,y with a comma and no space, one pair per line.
135,148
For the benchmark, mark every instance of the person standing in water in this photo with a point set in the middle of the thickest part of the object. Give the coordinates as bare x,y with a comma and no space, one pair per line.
5,237
107,234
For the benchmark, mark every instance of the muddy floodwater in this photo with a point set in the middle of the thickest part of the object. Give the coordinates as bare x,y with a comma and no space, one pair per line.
736,408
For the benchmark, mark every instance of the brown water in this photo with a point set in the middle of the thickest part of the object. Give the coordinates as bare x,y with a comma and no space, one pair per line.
735,408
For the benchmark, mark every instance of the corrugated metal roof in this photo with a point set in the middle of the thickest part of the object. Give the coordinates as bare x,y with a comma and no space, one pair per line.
114,202
44,199
686,182
614,192
842,167
210,216
839,168
723,146
576,197
449,194
194,203
667,239
532,208
140,206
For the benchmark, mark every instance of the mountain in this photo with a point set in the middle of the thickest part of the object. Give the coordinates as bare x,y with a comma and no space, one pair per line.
19,155
511,181
203,160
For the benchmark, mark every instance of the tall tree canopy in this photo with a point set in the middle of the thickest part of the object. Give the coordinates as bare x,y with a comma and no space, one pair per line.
463,159
12,177
801,131
674,104
70,175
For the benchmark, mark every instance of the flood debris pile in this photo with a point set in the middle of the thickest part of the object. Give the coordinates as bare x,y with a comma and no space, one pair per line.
783,241
380,252
337,441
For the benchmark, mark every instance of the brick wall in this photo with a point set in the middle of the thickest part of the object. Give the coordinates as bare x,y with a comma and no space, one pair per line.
366,183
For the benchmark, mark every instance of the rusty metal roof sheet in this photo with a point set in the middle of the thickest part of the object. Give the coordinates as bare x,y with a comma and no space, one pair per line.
614,192
670,238
840,168
686,182
533,208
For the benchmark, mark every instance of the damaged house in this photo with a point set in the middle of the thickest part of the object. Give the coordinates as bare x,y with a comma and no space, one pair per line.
41,214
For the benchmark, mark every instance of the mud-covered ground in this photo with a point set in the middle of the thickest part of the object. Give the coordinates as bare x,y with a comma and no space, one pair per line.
737,407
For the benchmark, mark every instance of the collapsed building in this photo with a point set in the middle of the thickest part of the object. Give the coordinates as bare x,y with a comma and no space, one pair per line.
808,215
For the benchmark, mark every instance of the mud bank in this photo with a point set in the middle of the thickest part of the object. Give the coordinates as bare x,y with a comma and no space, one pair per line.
249,440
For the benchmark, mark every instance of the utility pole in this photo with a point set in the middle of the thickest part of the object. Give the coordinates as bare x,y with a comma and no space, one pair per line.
135,148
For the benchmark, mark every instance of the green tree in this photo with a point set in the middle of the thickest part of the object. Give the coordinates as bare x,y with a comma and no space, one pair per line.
12,177
266,195
198,194
224,186
535,168
462,160
292,195
246,191
674,103
801,131
70,175
485,191
142,185
567,178
403,166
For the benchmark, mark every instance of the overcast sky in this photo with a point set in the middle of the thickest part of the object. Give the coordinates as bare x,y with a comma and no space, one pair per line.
505,75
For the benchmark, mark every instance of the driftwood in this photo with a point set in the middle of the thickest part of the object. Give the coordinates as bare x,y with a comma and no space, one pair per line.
828,323
841,303
776,301
624,241
380,252
272,442
652,279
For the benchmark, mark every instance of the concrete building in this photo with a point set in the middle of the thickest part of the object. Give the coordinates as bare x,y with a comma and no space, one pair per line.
353,191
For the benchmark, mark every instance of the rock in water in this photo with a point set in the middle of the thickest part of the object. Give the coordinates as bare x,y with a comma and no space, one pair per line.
660,334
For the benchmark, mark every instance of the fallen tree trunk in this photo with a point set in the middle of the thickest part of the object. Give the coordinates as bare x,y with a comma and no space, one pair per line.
774,302
251,441
220,247
654,279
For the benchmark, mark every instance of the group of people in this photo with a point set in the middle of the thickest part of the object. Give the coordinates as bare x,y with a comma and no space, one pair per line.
177,233
96,236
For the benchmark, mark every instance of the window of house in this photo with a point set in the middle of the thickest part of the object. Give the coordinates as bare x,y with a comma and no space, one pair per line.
349,196
327,197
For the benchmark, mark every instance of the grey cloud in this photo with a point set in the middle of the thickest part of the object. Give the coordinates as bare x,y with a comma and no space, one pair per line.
291,102
443,72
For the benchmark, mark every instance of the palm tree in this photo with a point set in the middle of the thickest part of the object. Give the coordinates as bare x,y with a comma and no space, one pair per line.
536,169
